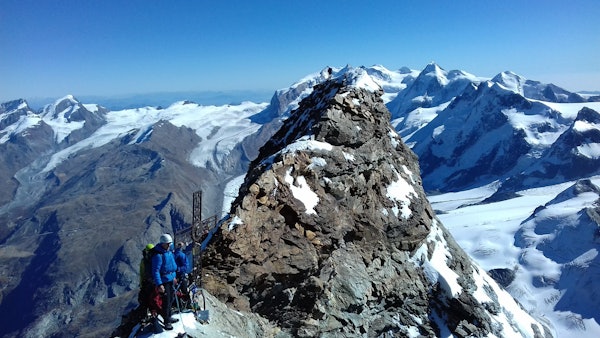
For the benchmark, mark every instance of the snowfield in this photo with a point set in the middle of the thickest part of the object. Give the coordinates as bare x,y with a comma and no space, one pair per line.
488,232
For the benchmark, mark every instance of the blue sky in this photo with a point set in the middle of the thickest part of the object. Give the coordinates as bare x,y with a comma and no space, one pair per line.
116,47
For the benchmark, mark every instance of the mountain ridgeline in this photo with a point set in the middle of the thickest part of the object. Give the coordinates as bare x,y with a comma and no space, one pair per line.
332,235
329,234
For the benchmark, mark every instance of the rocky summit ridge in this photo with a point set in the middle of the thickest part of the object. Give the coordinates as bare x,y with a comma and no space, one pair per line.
332,235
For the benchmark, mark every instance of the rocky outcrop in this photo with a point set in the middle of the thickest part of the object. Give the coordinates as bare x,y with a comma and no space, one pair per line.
331,234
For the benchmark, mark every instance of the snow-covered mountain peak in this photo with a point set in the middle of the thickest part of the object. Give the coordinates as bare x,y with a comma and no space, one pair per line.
586,129
375,77
559,254
429,92
435,72
360,78
16,117
12,109
8,107
68,97
355,77
510,81
590,116
392,82
433,67
65,115
60,105
434,81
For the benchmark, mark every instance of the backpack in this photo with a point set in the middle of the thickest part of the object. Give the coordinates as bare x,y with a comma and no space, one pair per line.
147,263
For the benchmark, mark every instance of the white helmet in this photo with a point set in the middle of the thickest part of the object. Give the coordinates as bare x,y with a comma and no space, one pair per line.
166,238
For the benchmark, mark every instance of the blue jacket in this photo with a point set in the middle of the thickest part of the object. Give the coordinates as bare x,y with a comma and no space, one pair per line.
182,261
163,266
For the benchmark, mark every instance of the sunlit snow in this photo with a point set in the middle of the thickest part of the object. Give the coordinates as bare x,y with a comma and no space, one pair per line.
400,191
231,191
582,126
570,110
317,162
21,126
487,233
590,150
302,192
306,143
231,122
437,266
512,82
530,124
59,120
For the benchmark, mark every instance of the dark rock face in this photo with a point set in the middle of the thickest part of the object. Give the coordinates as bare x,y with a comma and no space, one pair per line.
502,276
331,235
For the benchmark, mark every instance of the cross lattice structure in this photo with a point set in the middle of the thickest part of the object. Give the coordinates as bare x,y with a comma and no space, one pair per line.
196,233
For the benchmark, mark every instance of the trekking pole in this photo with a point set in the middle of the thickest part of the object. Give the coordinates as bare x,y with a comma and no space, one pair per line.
179,308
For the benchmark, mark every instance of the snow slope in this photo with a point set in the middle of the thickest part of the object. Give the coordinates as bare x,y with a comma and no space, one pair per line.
489,234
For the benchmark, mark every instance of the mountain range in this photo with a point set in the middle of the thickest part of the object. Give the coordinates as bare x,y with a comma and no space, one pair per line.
87,188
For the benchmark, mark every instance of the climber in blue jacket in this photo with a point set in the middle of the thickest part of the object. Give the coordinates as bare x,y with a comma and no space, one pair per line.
182,271
164,270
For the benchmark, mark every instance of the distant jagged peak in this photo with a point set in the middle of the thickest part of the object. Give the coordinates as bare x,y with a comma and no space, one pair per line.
461,74
391,81
444,77
588,115
511,81
373,78
433,67
535,89
353,77
69,98
14,105
61,108
587,122
16,117
433,70
66,106
492,87
68,114
381,73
